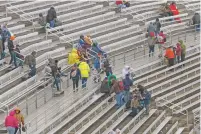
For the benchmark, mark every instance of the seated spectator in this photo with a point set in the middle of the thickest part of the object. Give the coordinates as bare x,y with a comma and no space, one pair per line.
196,21
51,16
165,10
174,10
169,54
41,20
104,86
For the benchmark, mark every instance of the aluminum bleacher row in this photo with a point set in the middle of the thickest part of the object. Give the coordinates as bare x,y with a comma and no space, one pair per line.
111,31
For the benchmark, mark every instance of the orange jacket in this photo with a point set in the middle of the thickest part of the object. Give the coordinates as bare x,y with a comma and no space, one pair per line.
169,53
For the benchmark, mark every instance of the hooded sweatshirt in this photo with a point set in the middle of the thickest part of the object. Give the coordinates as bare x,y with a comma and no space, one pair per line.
125,71
19,116
127,83
178,50
84,69
11,121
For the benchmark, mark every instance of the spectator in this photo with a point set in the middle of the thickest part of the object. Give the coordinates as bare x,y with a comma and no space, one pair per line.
178,52
107,67
88,40
57,22
41,20
30,60
174,11
127,84
51,15
110,78
183,50
147,98
20,119
151,29
73,57
125,71
85,70
134,105
170,56
157,25
141,89
55,73
196,21
5,34
161,40
11,49
97,49
11,123
75,75
118,92
81,41
1,49
151,43
120,4
105,87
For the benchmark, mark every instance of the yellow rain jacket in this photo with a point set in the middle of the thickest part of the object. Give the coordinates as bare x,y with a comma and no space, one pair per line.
73,57
84,69
19,116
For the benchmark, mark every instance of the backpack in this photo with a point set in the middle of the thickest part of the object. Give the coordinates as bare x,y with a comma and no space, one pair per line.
121,85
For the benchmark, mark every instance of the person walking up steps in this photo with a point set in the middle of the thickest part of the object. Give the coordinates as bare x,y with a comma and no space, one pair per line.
85,70
11,123
20,119
75,75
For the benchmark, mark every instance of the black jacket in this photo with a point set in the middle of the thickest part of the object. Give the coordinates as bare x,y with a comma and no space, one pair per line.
51,15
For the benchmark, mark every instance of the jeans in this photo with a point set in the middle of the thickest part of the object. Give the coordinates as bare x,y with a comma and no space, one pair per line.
126,95
119,99
183,57
147,109
33,70
11,130
56,82
178,59
151,50
75,83
13,58
134,111
197,27
84,82
52,22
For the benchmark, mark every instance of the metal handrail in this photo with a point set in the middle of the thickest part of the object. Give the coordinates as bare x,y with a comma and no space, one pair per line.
18,13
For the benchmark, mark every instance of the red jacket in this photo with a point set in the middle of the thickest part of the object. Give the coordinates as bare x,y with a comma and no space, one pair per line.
178,50
175,11
11,121
119,2
162,41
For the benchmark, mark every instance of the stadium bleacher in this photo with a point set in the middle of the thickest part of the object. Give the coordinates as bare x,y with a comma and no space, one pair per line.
175,90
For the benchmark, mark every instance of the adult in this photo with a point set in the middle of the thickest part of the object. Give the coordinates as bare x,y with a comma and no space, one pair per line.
30,60
161,41
5,35
120,4
75,75
11,49
151,43
41,20
157,25
151,29
178,52
174,10
125,71
51,16
169,54
147,98
20,119
196,21
127,84
119,94
11,123
107,67
55,74
85,70
73,57
183,50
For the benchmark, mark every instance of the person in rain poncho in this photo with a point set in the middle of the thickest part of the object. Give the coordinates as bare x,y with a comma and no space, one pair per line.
73,57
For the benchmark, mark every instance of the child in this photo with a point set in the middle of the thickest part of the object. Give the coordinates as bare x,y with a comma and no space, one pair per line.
95,75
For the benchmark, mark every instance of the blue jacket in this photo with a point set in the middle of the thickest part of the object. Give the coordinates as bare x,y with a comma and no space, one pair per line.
77,76
81,42
127,83
96,63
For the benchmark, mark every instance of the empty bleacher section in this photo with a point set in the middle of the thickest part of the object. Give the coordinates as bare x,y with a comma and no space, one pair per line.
175,90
